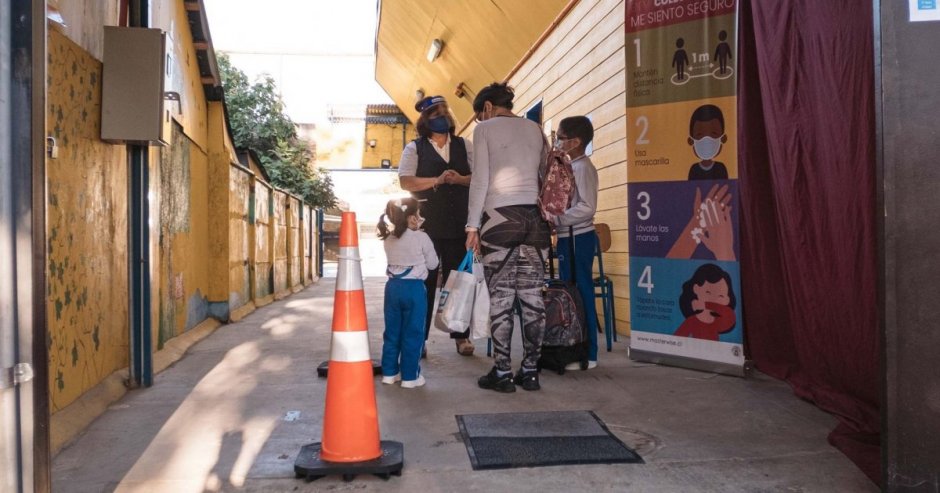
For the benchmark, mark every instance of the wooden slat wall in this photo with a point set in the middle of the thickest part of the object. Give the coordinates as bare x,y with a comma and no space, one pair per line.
579,70
482,42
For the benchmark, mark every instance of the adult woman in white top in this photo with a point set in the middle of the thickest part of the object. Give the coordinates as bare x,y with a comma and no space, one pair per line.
504,223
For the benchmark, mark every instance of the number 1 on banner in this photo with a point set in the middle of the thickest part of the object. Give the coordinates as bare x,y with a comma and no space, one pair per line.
646,279
637,43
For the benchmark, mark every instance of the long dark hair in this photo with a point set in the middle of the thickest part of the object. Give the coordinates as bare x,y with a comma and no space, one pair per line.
706,273
397,211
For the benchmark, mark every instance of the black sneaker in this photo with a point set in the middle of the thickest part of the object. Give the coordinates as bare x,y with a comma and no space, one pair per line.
528,379
492,381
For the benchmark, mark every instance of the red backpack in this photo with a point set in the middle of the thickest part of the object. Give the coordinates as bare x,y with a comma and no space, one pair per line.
558,185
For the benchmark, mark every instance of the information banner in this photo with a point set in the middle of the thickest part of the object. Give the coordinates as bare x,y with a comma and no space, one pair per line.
682,170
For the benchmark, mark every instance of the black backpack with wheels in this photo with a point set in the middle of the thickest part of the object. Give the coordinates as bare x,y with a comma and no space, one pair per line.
566,336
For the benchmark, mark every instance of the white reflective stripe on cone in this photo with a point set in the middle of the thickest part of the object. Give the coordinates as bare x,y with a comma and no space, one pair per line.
349,270
350,347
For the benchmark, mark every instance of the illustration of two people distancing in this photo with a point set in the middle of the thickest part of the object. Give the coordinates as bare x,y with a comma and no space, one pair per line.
680,60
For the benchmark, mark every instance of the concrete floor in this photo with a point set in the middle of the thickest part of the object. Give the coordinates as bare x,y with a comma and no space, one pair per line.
215,421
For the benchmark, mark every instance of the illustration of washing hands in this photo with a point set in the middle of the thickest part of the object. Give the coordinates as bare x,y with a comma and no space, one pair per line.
710,224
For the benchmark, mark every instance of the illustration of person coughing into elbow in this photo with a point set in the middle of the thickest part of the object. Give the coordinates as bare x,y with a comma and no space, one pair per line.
707,301
706,136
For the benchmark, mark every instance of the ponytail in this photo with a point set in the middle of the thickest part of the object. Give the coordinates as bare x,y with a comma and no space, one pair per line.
382,227
397,212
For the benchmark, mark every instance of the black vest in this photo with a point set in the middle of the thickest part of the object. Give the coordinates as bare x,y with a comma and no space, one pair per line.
444,209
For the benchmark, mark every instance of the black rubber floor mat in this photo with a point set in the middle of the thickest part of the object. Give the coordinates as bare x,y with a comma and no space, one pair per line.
507,440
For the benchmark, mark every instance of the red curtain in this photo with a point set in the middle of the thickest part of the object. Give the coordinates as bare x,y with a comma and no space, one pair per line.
807,186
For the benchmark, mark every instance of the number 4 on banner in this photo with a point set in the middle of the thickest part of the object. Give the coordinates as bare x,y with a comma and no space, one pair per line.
646,279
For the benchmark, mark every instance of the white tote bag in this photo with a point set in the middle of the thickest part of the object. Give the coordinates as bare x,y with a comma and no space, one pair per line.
455,303
480,317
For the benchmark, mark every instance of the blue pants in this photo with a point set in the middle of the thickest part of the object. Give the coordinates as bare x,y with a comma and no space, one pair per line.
584,248
405,308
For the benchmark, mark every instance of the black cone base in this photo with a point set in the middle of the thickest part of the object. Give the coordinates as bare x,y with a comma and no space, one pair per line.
310,467
323,369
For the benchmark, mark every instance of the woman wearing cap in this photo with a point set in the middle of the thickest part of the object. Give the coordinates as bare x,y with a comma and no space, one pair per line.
435,168
504,220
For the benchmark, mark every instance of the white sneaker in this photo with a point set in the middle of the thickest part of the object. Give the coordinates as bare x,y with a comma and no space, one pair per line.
410,384
577,365
392,379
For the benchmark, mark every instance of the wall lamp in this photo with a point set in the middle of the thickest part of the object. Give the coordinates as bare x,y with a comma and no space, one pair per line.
435,50
372,143
419,95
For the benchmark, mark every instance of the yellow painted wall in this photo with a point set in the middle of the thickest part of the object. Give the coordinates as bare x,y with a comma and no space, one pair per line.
87,230
184,237
579,70
184,78
85,21
88,252
264,249
219,200
184,213
294,232
280,243
239,270
389,143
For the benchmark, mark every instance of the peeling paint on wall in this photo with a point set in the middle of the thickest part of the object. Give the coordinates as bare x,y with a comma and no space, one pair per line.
86,230
183,245
174,184
197,309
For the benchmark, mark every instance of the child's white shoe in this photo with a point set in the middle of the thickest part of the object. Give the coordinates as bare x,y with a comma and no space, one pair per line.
577,365
410,384
389,380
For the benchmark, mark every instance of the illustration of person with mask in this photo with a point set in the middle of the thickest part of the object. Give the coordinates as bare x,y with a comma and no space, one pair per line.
706,136
435,168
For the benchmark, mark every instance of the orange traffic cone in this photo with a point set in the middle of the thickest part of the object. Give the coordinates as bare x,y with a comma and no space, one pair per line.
350,423
351,442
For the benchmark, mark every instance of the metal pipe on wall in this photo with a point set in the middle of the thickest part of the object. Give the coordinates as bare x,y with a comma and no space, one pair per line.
139,266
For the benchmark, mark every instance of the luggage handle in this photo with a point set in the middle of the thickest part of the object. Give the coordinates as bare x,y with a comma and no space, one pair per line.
551,255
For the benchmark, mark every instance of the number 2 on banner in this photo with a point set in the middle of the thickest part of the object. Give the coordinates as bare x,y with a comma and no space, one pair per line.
643,122
646,279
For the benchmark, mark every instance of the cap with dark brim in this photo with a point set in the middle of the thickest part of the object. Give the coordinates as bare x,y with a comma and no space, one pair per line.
429,101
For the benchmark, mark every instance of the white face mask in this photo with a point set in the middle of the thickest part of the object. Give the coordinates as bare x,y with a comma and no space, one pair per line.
418,221
707,148
560,145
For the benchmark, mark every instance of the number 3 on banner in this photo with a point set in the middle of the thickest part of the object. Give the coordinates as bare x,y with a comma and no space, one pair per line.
646,279
644,198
